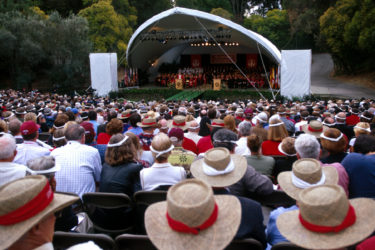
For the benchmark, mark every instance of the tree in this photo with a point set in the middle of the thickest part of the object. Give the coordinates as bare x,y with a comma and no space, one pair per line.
17,5
350,34
109,31
205,5
274,26
221,12
64,7
147,9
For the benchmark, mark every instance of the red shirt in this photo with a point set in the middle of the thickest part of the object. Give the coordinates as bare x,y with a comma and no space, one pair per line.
103,138
190,145
270,148
204,144
352,120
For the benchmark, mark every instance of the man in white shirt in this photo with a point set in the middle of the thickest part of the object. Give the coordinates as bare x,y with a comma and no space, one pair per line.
298,125
80,164
193,131
244,129
9,171
30,148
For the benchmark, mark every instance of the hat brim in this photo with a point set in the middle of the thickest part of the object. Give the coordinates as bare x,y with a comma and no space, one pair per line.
139,124
218,236
10,234
285,181
185,127
224,180
290,227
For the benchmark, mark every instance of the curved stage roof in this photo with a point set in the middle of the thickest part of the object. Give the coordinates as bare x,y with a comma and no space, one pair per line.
178,31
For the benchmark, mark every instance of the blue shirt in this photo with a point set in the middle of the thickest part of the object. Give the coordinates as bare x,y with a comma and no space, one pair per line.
136,131
95,124
273,234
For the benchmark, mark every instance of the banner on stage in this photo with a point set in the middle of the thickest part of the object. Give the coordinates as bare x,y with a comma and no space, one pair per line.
251,61
179,84
217,84
222,59
196,61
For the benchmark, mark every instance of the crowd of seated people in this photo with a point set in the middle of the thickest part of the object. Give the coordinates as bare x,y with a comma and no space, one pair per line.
229,75
215,159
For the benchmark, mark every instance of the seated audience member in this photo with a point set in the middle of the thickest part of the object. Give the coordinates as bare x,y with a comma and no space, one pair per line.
80,164
142,157
163,126
9,170
113,127
221,169
304,116
148,126
134,120
59,123
120,174
30,231
89,133
305,173
110,115
362,128
286,147
326,219
230,123
192,218
15,129
193,131
289,125
276,133
342,126
262,164
205,143
252,183
335,143
180,156
161,173
244,130
29,149
361,169
315,128
364,144
46,166
4,126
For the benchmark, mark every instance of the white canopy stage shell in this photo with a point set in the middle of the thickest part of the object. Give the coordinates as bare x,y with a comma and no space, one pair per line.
144,53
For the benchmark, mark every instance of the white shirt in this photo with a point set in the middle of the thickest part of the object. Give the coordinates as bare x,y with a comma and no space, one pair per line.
80,168
100,119
299,125
147,156
10,171
29,150
161,174
193,136
241,148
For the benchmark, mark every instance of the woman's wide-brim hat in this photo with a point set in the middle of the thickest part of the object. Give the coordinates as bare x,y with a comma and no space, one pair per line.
219,159
314,128
327,206
18,193
178,121
192,202
147,122
309,170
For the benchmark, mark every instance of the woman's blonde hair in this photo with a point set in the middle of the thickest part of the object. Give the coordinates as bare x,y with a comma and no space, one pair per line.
278,132
122,154
230,123
333,146
161,142
361,128
30,117
3,126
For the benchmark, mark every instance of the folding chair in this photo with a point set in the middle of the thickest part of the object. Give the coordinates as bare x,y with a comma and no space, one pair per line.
286,246
98,206
245,244
44,136
134,242
77,206
64,240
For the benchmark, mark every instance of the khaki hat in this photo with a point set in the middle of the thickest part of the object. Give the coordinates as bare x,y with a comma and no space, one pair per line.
326,219
178,121
314,128
217,123
22,194
178,223
306,172
219,168
147,122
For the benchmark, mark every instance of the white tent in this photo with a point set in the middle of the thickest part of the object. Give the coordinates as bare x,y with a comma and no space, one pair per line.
157,37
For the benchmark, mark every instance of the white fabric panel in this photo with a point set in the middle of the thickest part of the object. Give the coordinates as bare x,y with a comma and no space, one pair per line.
103,68
295,73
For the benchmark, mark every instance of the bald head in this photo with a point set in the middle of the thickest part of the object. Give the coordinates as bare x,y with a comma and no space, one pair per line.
194,126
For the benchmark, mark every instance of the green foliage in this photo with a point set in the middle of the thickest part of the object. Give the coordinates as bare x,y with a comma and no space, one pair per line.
147,9
34,46
205,5
109,31
64,7
274,26
20,5
350,34
222,12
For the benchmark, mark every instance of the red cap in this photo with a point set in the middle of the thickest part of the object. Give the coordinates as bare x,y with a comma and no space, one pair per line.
89,128
29,127
176,132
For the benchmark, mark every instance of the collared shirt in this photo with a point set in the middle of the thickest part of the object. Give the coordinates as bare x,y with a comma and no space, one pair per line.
45,246
193,136
80,168
29,150
10,171
241,148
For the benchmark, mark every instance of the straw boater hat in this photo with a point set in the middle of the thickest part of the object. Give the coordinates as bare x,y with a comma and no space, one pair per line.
217,123
193,218
29,200
314,128
178,121
219,168
147,122
326,219
306,173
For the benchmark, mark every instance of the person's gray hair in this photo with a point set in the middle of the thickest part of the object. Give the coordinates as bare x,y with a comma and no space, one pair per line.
307,146
14,126
7,146
41,163
244,128
225,138
74,132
